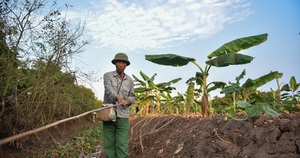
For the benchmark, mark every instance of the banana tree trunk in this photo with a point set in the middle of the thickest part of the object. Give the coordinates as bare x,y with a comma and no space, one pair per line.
245,96
158,103
147,108
184,108
205,106
234,101
278,92
189,98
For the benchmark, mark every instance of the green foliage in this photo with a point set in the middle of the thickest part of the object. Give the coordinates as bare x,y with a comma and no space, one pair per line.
288,107
288,97
229,59
173,104
169,59
46,95
189,97
38,86
238,45
223,56
221,105
253,103
290,90
250,86
257,109
149,95
260,103
253,84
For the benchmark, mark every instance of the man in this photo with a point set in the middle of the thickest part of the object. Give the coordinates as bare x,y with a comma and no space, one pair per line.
119,89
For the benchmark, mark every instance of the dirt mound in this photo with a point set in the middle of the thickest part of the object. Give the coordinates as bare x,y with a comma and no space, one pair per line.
186,137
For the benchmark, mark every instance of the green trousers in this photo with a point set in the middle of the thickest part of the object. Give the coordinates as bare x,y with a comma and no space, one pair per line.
115,138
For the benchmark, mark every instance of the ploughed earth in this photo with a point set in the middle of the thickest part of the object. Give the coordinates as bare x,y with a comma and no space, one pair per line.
192,137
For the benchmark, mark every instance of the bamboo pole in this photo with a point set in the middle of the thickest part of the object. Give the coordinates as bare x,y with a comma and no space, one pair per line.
17,136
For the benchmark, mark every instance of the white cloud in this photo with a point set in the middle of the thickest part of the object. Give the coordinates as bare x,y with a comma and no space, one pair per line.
157,24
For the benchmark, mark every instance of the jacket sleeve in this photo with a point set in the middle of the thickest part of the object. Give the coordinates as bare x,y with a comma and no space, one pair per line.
131,94
110,94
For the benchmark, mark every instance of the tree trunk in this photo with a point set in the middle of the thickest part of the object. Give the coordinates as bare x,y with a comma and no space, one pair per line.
205,106
234,101
189,98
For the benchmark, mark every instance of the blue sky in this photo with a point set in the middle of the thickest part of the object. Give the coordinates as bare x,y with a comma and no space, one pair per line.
191,28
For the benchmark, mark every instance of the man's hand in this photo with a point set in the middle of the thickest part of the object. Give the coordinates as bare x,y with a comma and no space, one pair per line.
119,99
123,102
126,102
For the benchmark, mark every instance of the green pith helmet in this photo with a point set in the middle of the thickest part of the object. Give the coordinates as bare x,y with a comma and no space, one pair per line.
121,57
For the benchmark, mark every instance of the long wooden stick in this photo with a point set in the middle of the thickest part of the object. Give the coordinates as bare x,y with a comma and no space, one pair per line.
17,136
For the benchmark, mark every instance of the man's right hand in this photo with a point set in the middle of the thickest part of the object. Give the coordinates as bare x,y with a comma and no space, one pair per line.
119,99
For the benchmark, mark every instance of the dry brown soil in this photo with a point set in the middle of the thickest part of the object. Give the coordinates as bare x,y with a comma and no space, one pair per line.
186,137
192,137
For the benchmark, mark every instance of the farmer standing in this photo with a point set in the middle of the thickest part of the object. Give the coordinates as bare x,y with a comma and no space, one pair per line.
119,89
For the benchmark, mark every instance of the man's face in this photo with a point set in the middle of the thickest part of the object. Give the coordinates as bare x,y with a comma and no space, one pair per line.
120,66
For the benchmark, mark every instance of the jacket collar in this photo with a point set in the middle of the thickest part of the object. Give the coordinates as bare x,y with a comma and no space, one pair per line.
117,75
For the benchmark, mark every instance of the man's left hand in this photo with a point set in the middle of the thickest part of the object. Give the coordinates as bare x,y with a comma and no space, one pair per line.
126,102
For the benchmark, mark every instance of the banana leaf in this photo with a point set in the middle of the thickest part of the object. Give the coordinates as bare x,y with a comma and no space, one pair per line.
148,80
229,59
199,78
174,80
285,96
144,76
169,59
253,111
147,99
190,95
166,89
257,109
138,80
216,85
240,77
286,87
268,110
293,84
262,80
231,89
239,44
291,108
242,104
165,84
178,98
141,89
190,80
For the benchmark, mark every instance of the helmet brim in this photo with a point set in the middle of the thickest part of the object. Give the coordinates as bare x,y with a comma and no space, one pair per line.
114,62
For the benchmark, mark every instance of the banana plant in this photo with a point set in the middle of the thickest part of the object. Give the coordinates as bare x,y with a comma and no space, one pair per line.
224,56
234,88
255,109
198,91
151,92
290,90
250,88
189,97
172,104
277,94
